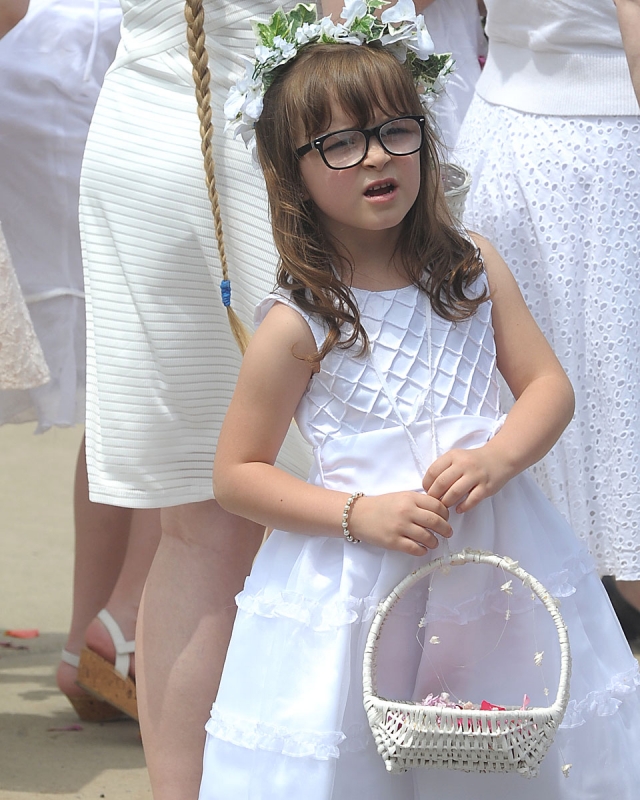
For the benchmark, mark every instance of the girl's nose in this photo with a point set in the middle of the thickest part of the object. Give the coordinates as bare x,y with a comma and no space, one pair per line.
376,156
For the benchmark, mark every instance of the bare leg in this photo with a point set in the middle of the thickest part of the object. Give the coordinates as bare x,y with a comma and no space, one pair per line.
185,622
101,537
124,602
630,590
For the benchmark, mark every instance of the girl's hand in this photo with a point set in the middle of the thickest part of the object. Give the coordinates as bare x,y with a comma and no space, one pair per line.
402,521
462,478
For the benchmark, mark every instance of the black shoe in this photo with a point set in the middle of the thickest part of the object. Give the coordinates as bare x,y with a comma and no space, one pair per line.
628,615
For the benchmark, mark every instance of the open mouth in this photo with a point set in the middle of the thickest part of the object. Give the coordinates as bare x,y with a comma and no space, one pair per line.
380,189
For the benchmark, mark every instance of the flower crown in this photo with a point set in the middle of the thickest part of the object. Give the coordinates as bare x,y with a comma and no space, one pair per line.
286,33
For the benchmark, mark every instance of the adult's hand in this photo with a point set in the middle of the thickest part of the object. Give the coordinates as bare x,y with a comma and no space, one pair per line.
629,21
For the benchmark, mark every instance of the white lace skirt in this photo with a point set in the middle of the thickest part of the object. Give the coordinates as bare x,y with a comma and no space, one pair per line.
560,199
22,364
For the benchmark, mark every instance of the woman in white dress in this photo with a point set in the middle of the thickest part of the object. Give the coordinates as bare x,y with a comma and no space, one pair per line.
162,362
552,139
52,64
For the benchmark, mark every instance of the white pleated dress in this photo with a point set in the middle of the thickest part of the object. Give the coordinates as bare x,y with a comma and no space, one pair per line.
288,722
162,363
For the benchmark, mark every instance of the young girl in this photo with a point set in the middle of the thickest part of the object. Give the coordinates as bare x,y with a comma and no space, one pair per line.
384,340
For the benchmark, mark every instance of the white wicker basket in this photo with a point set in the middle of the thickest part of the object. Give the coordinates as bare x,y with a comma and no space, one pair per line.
456,182
409,734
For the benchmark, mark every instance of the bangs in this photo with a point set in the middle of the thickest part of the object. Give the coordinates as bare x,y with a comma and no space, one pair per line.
364,81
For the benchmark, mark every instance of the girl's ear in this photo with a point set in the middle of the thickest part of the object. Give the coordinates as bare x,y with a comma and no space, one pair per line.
304,194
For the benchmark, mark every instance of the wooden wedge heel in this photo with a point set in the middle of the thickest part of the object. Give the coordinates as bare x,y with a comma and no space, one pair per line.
109,682
87,707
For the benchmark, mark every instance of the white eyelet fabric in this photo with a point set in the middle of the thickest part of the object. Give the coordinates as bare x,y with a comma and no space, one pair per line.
560,199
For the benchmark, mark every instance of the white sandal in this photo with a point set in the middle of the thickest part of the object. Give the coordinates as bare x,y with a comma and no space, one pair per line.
109,682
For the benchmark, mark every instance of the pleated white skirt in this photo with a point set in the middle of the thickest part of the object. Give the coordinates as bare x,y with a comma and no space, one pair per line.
162,362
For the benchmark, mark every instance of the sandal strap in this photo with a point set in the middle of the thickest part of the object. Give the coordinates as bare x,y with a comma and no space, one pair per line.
122,646
70,658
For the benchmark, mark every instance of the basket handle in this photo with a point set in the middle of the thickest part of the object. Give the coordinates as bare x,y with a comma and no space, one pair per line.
458,559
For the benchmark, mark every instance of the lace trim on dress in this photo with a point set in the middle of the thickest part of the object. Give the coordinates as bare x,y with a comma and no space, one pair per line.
604,703
253,735
321,615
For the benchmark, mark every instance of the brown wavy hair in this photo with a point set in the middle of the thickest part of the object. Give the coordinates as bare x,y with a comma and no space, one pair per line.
366,81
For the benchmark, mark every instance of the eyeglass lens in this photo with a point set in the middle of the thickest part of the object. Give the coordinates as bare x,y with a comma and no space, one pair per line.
398,137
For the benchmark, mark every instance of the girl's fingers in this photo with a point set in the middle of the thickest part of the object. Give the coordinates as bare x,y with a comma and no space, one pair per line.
431,505
444,481
458,491
427,524
471,500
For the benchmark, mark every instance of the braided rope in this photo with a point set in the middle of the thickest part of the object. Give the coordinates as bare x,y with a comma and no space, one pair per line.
194,15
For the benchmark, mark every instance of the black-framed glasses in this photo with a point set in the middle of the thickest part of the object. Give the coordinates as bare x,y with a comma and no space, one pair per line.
343,149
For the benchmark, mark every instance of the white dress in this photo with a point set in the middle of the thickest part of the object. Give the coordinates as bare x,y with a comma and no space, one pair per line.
162,362
559,198
289,712
51,68
455,28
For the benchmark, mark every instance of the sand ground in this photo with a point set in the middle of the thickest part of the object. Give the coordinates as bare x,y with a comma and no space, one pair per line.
36,562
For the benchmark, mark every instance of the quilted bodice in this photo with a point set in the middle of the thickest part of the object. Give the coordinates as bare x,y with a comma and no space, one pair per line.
348,395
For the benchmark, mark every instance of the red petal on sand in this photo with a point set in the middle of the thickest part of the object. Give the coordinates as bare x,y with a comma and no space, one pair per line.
12,646
28,633
74,727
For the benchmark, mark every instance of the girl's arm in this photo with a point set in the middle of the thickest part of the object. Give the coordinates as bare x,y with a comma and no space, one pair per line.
11,12
271,382
543,408
629,21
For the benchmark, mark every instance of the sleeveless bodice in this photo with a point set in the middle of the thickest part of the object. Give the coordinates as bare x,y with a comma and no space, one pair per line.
347,395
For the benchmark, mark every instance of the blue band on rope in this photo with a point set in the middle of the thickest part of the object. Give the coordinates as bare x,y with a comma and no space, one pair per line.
225,291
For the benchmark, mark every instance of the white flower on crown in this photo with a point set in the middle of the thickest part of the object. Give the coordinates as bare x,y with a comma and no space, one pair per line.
263,54
288,50
352,10
423,46
399,50
402,11
243,94
330,30
307,32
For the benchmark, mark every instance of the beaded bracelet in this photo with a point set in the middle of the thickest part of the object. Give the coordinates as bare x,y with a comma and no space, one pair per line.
345,517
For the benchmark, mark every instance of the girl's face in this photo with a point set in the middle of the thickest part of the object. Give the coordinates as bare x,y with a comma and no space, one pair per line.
375,195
